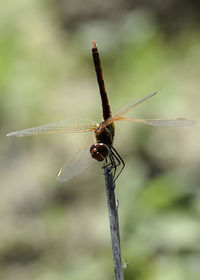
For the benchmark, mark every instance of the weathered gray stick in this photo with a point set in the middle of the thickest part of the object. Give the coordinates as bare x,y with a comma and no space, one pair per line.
114,223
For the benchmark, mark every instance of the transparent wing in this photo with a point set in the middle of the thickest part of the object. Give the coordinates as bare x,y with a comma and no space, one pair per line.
77,164
60,127
128,108
159,122
175,122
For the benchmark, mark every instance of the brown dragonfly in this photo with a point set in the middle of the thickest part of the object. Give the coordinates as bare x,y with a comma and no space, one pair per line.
103,132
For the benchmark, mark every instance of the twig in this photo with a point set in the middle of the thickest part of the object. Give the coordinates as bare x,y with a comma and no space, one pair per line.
114,223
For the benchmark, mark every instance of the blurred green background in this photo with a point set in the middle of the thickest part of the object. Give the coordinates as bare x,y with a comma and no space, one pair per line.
54,231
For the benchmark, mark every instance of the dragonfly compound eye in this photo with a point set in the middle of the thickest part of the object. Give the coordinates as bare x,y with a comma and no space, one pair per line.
99,151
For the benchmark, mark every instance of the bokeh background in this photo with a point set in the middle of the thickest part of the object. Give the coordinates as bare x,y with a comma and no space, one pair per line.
54,231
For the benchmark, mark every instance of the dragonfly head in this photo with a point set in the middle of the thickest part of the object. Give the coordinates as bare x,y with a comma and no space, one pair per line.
99,151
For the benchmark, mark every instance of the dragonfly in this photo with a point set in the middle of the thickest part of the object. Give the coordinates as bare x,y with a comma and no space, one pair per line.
103,132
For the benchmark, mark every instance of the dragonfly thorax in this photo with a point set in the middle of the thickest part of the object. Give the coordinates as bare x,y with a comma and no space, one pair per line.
104,137
105,134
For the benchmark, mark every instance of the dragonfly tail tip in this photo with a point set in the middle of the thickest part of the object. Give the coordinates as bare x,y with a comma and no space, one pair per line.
94,44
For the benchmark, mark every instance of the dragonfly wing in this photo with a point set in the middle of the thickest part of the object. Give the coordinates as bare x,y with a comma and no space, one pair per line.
60,127
128,108
77,164
159,122
118,116
170,123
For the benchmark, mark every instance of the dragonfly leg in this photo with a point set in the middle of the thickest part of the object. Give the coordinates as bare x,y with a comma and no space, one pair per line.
115,160
107,163
119,161
113,163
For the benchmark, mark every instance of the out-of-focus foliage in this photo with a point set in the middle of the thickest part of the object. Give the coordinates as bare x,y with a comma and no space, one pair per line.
53,231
